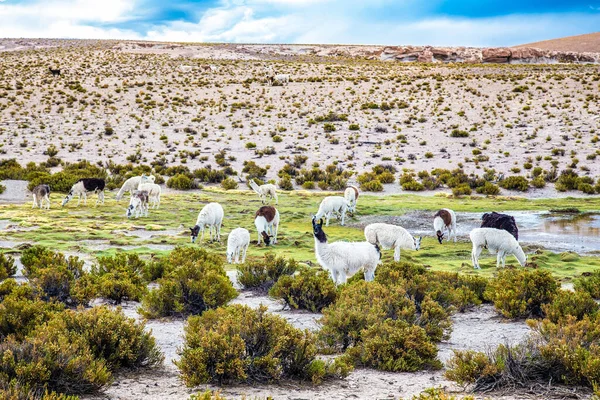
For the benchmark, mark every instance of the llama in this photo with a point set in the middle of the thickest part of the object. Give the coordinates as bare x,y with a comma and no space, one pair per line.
264,190
500,221
392,236
154,192
237,242
344,259
41,195
444,219
138,205
280,79
55,72
132,184
332,204
212,216
496,241
266,221
351,196
82,187
185,68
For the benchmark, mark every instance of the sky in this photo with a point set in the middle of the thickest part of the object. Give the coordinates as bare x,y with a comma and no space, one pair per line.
477,23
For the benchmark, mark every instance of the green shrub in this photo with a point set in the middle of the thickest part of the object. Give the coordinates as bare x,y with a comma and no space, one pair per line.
354,127
538,182
285,183
229,184
240,344
111,336
515,183
589,283
459,133
567,180
521,293
7,266
438,394
467,366
194,282
308,185
488,189
56,278
461,190
2,188
261,275
120,277
311,289
253,171
577,304
181,182
395,345
372,186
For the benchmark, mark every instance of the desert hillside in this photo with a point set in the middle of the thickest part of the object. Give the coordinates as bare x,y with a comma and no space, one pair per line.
581,43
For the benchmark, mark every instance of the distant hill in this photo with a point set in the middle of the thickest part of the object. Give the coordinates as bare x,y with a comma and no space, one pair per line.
581,43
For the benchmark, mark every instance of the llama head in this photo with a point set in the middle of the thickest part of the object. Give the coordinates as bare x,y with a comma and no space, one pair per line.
266,238
417,242
67,198
318,230
440,236
229,256
129,212
195,231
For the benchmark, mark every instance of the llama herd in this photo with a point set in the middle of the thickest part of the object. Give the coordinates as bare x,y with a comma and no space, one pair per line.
498,232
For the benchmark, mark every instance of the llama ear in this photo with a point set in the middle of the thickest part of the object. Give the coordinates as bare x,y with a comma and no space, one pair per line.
321,222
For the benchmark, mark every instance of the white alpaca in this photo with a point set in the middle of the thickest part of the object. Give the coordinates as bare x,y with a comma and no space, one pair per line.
344,259
237,242
391,236
281,79
212,216
154,192
41,195
444,219
132,184
264,190
351,196
138,204
496,241
266,221
84,186
332,204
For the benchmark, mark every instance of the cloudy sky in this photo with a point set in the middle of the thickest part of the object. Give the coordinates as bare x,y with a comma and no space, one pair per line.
417,22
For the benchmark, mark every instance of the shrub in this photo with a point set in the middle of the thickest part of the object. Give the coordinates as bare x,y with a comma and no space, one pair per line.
311,289
56,278
2,188
590,284
120,277
461,190
308,185
520,293
181,182
194,283
7,266
459,134
467,366
438,394
488,189
229,184
285,183
395,345
567,180
111,336
538,182
261,275
253,171
240,344
372,186
353,127
515,183
577,304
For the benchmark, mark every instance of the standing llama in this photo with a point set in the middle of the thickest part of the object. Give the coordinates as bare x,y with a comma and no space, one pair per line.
496,241
444,219
238,241
500,221
41,195
344,259
84,186
132,184
212,216
330,205
351,196
154,192
264,190
138,205
391,237
266,221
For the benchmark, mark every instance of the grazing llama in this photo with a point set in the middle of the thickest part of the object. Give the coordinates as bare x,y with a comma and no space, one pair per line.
344,259
496,241
500,221
391,237
84,186
444,219
266,221
132,184
41,195
237,242
212,216
264,190
138,204
330,205
55,72
154,192
351,196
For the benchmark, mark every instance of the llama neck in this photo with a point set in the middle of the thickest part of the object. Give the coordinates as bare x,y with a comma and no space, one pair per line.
320,247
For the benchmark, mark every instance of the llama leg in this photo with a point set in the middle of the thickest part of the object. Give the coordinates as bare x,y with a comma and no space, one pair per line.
219,235
47,202
202,235
475,256
397,253
276,227
454,231
327,216
499,259
34,202
343,216
244,254
276,199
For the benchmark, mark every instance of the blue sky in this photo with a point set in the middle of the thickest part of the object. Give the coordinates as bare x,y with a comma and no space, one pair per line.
417,22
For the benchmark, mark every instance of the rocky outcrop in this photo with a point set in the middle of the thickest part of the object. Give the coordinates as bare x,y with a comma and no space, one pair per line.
498,55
